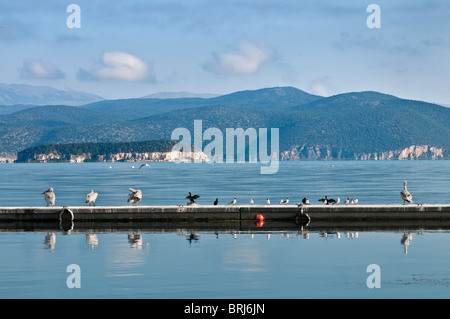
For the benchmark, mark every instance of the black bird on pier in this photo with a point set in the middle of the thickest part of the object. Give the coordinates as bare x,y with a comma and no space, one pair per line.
324,200
216,201
331,201
192,198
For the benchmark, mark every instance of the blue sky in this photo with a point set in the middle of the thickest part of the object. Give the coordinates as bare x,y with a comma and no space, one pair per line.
135,48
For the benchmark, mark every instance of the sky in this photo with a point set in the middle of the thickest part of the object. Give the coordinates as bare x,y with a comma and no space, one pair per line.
126,49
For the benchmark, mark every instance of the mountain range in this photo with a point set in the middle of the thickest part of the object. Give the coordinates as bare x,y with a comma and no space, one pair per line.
355,125
12,94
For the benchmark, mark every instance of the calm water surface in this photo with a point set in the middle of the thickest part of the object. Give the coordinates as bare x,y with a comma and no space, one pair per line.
174,264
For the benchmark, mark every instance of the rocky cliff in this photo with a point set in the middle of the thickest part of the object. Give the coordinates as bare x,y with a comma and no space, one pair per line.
299,152
316,152
7,158
172,156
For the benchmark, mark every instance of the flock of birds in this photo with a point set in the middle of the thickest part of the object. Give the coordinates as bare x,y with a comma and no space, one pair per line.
405,196
135,196
305,201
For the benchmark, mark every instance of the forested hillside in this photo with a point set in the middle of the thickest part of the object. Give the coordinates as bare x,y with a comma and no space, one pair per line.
345,126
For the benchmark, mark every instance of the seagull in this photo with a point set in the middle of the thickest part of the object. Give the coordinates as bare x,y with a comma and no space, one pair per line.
285,201
252,201
405,195
232,202
135,196
305,201
144,165
268,201
324,200
192,198
49,197
354,201
347,201
216,201
281,201
91,197
337,201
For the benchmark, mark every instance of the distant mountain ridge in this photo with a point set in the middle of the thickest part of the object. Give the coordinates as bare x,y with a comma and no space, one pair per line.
178,95
355,125
262,99
11,94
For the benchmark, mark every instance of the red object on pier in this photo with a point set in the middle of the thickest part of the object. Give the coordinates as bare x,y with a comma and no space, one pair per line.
259,217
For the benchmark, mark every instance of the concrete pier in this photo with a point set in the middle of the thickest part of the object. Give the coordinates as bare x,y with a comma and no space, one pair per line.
175,213
226,218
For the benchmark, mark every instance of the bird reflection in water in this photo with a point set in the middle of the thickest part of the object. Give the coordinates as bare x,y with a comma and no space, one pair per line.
50,240
192,237
405,241
92,240
135,241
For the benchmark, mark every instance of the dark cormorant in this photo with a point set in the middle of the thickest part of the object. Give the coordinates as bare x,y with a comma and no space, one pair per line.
324,200
192,198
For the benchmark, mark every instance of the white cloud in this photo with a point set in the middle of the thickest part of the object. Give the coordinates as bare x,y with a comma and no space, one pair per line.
321,89
120,66
38,69
248,59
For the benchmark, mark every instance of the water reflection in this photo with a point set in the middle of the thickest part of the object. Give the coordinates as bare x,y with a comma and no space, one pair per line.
92,240
135,240
50,240
192,237
405,241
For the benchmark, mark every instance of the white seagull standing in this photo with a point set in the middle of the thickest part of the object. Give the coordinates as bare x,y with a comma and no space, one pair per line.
252,201
347,201
135,196
285,202
405,195
91,197
233,201
268,201
49,197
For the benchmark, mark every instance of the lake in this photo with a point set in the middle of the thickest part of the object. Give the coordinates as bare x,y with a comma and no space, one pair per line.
181,263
